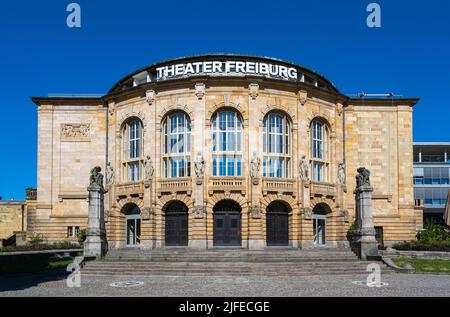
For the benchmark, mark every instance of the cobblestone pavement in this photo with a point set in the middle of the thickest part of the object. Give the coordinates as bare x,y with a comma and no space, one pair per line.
55,285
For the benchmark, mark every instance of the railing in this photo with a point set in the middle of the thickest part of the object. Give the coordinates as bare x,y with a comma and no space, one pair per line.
175,185
227,184
430,159
418,203
323,189
31,194
277,185
130,189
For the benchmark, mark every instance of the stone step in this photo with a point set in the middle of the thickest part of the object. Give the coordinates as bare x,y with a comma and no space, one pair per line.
218,262
202,272
221,264
234,269
229,259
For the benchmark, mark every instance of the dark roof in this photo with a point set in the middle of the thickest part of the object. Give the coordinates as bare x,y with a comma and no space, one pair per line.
306,70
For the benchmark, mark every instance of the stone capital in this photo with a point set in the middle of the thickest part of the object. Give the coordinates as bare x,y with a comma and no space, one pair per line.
255,212
302,97
253,91
200,90
199,212
363,189
150,96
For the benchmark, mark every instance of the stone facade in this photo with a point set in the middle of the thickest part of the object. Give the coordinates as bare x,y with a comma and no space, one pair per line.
13,218
76,134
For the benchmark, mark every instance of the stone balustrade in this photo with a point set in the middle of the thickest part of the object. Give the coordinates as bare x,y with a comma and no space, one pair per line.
323,189
174,185
224,184
130,189
279,186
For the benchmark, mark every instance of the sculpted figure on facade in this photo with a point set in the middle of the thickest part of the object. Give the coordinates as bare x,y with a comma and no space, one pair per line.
255,167
149,170
304,169
110,175
363,177
199,165
96,178
341,174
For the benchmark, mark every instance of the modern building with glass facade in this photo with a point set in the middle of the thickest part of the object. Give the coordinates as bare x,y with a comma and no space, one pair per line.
224,150
432,179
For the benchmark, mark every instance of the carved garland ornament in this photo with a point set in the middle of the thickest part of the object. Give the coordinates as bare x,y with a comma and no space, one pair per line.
75,132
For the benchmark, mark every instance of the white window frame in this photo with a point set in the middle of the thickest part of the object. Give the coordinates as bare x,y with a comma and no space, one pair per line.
232,149
132,151
319,151
277,159
179,151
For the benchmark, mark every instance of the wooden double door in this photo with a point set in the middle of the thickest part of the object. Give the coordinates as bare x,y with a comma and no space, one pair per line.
177,229
277,225
227,229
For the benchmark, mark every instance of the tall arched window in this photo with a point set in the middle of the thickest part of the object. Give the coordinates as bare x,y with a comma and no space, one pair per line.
132,155
227,143
277,146
177,145
319,151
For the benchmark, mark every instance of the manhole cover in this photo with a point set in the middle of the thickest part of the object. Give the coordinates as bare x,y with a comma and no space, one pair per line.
374,284
126,284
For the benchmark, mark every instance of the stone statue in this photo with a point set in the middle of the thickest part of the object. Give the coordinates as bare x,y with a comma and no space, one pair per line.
255,166
341,174
304,169
149,170
199,165
109,174
96,178
363,177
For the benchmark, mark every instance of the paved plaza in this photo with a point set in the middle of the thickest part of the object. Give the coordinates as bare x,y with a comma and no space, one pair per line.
45,285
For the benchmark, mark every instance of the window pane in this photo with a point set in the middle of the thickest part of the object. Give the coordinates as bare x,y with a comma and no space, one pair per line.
239,166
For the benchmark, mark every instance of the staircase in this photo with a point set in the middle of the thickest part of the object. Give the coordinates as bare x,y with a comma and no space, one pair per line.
169,262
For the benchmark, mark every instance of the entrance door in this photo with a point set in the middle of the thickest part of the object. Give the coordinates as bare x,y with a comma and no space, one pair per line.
277,228
319,227
177,229
227,228
133,230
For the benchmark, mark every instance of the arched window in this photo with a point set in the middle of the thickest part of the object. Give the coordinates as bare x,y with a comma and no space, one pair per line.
277,146
227,143
132,154
177,145
319,151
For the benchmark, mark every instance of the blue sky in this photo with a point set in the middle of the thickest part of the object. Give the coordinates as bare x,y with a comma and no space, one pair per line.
409,55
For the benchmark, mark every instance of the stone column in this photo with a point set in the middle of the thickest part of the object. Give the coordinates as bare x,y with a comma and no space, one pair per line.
96,244
256,239
198,224
365,244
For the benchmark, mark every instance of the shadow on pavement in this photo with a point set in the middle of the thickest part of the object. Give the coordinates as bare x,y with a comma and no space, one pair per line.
16,282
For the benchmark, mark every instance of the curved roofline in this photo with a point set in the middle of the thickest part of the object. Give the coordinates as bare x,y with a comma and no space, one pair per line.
142,69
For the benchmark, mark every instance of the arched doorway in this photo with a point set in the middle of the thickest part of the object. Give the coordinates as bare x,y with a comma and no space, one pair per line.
227,224
320,224
277,224
132,225
177,224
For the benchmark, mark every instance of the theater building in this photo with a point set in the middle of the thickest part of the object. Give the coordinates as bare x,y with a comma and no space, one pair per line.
224,151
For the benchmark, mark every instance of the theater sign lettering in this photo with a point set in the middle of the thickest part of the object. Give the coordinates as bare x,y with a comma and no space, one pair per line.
226,68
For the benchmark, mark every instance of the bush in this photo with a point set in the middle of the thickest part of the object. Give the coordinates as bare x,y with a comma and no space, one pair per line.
351,232
441,246
82,236
36,239
64,245
434,233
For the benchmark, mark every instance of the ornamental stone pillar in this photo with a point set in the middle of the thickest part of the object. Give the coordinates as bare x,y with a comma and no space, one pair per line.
256,240
96,244
365,244
198,224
